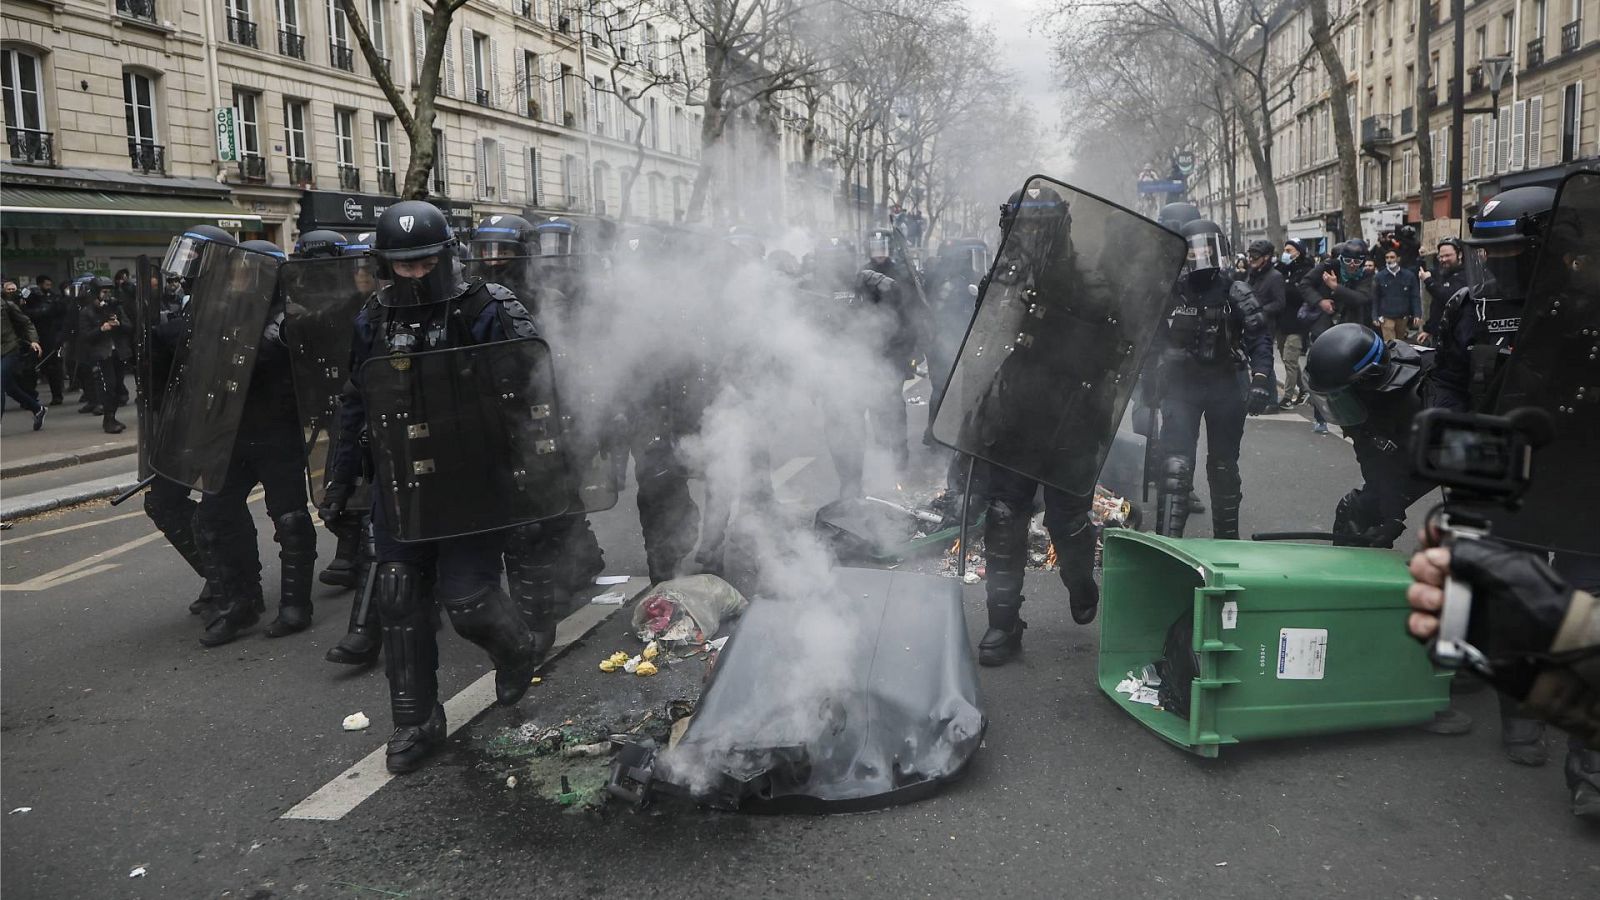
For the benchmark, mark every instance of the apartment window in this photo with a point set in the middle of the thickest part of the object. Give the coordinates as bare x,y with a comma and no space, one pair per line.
441,170
290,41
294,130
535,177
1481,42
377,28
1571,119
1538,19
340,56
570,178
247,105
344,141
653,128
490,159
568,116
24,94
383,142
480,69
530,84
599,99
599,189
138,9
139,113
1388,23
241,30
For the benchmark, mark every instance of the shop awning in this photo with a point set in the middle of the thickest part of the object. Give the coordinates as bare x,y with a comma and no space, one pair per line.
39,208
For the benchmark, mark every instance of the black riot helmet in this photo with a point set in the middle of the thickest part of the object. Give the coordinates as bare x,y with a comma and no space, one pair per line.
360,244
1177,215
415,250
267,247
183,254
643,240
557,235
1207,248
1351,360
969,256
1504,239
103,287
503,236
319,244
1040,213
879,240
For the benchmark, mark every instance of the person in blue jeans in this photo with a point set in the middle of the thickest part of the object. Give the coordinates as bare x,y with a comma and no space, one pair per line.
17,337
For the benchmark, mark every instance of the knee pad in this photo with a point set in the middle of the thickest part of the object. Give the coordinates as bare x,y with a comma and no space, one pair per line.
1177,475
1005,514
400,593
296,532
1223,474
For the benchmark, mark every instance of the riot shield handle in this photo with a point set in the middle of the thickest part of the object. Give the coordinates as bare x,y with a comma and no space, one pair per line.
117,500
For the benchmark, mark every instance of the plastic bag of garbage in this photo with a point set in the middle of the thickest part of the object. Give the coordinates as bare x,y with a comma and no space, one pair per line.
674,610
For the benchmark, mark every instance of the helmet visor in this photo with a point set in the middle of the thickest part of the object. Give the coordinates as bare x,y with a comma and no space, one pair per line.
1500,271
183,256
1205,252
419,282
495,250
878,246
554,243
1341,406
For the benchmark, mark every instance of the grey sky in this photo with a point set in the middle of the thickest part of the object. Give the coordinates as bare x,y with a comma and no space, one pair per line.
1027,53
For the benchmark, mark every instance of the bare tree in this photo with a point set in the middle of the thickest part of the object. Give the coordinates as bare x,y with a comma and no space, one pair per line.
1343,130
638,72
417,116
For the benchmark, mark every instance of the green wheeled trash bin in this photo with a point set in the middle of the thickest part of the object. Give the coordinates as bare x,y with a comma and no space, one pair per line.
1214,642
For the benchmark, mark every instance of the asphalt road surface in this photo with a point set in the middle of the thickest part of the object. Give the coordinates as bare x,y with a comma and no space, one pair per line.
133,748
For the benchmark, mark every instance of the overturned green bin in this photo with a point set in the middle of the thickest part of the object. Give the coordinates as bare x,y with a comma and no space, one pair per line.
1259,640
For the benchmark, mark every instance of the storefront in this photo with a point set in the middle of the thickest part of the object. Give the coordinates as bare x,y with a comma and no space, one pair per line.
1311,235
352,214
68,222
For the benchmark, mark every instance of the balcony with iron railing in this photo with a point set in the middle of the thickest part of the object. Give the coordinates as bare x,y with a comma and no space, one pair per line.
242,31
387,68
300,172
144,10
1476,81
441,184
386,184
147,157
1571,36
253,168
341,57
349,177
1377,131
31,146
1535,57
482,96
291,44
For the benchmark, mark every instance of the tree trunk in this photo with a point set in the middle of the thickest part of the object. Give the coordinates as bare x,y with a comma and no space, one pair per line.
417,120
1424,102
1343,131
710,136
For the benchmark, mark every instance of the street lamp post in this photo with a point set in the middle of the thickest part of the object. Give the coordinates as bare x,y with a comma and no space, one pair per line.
1494,69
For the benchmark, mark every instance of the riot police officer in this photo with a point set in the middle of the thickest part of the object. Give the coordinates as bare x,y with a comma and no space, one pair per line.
1372,388
1478,323
1215,334
269,450
427,305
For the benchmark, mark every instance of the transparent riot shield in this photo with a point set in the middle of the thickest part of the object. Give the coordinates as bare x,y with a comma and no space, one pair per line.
472,439
1075,293
321,298
1555,365
198,417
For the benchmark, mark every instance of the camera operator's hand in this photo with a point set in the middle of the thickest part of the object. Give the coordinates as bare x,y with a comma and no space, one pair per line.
1518,603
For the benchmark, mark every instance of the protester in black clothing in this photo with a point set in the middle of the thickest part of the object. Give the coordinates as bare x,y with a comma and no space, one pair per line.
48,311
1441,283
1288,332
1267,284
102,330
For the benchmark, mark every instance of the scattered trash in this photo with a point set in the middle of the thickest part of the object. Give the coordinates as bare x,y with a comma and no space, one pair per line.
138,872
537,680
20,810
1142,687
971,577
511,781
1221,864
611,598
916,401
611,579
632,665
651,650
716,645
645,668
356,722
602,748
687,609
568,796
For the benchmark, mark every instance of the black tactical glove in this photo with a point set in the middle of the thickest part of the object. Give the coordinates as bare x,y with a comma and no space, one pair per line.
1518,603
1260,394
334,499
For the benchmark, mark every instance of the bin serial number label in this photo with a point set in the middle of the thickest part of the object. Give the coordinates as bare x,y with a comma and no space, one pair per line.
1302,653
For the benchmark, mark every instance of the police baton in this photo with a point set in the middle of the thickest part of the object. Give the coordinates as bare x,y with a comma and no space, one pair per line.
117,500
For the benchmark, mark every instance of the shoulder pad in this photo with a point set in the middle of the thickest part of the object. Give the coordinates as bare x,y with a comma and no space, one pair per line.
499,291
515,317
1244,300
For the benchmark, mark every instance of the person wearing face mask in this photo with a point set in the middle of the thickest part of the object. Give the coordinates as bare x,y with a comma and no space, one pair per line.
1441,283
1338,291
1288,333
1397,297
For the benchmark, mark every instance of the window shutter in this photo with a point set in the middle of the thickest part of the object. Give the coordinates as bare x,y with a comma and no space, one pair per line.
1504,155
1519,134
1535,130
535,177
550,97
520,73
494,72
448,82
419,37
1577,127
503,197
480,165
469,65
1475,149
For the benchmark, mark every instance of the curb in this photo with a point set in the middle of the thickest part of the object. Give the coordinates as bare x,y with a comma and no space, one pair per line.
48,462
33,504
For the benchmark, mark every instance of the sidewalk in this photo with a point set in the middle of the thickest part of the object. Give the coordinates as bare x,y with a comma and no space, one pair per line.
68,440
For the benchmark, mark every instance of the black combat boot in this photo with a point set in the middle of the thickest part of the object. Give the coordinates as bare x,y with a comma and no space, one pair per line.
411,662
1003,641
1075,556
362,641
342,571
488,618
297,559
534,586
1226,496
1583,779
203,604
110,425
1522,738
234,612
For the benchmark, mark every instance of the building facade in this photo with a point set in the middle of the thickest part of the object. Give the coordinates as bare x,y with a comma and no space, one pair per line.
117,117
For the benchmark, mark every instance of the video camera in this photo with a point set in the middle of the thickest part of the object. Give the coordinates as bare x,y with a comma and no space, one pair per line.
1486,463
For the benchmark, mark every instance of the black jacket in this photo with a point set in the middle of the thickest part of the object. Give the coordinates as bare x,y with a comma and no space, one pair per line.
48,310
1440,287
1352,300
1271,292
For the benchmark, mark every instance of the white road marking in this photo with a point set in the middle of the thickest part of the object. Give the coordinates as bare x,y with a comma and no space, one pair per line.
83,568
337,798
790,469
54,531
